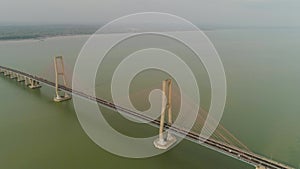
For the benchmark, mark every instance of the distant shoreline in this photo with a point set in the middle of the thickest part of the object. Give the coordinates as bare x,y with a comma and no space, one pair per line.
42,32
41,38
44,38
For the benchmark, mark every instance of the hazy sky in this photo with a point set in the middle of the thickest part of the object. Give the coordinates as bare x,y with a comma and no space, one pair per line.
207,12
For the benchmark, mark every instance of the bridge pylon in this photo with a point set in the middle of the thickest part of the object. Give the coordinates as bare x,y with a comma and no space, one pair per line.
58,73
165,139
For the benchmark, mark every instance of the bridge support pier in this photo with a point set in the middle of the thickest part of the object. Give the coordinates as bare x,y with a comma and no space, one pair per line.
34,84
166,139
20,78
6,73
65,96
26,79
13,75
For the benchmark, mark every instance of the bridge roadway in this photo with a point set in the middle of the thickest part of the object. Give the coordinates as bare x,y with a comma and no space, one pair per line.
239,154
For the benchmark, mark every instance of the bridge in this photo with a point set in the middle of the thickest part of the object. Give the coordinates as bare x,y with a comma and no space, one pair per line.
251,158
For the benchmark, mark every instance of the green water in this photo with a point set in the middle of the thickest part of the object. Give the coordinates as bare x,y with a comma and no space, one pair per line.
262,68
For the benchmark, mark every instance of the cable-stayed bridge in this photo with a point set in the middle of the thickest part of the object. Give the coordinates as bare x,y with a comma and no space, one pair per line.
220,142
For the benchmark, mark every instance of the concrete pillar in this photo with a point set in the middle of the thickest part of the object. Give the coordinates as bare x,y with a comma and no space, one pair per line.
58,73
34,84
6,73
10,73
20,78
27,82
13,75
169,102
165,142
163,112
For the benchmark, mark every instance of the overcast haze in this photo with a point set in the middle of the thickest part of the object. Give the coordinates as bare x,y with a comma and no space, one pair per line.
282,13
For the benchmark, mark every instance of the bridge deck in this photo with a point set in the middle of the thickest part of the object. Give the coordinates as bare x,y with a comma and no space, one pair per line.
242,155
